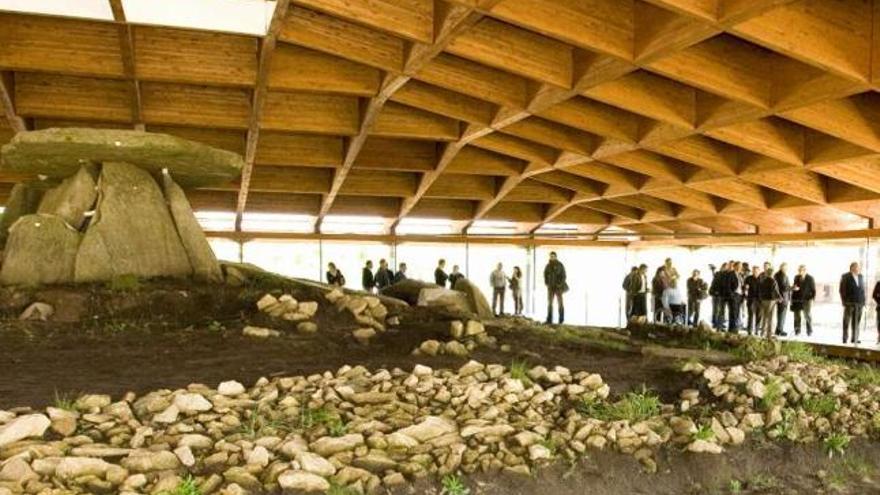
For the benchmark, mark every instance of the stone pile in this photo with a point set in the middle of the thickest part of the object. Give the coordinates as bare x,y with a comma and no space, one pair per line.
287,308
108,204
368,430
465,337
368,311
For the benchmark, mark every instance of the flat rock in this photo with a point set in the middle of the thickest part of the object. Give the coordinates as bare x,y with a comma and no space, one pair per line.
327,446
30,425
315,464
61,152
429,428
24,199
477,301
303,481
71,199
74,467
230,388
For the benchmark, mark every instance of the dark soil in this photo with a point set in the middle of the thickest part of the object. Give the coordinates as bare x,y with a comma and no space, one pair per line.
169,337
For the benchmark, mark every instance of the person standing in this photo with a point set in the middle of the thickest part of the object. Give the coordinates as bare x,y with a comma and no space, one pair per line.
769,296
715,290
659,284
673,303
733,293
628,282
368,281
784,285
697,290
384,276
498,281
753,302
440,276
803,292
400,276
640,293
334,275
554,279
515,283
852,295
876,297
455,276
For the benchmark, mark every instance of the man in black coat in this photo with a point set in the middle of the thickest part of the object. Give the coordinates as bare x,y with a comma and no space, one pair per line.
368,281
783,283
753,302
384,276
852,295
732,294
440,276
555,280
876,297
803,292
639,287
628,281
716,290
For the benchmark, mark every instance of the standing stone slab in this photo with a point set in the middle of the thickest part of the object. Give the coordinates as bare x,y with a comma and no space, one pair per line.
201,256
61,152
479,303
41,250
24,199
71,199
132,232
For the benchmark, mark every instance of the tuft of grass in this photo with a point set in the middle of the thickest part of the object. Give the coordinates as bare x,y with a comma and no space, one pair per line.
634,407
864,375
763,481
822,405
772,394
798,351
519,370
734,486
754,349
551,445
309,418
215,326
258,424
336,427
835,444
187,486
64,401
787,428
704,432
337,489
124,283
453,485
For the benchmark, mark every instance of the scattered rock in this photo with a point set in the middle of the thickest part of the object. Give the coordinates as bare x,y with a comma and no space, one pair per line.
303,482
259,332
230,388
28,426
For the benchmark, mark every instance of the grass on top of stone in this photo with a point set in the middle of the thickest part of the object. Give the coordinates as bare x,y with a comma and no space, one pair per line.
519,370
257,424
820,405
453,485
704,432
864,375
633,407
773,394
65,401
187,486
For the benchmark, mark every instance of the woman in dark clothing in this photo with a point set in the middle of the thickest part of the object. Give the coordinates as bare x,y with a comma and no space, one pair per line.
334,276
658,285
515,282
876,298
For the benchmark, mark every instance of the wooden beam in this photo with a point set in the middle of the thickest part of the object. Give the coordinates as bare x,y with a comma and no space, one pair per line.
7,92
126,49
267,47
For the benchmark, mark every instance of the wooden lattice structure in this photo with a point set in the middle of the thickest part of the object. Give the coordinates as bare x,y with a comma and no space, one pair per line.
659,116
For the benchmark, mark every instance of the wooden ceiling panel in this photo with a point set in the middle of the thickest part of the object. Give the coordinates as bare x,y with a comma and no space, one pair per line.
201,106
413,19
278,148
365,206
650,95
333,35
552,134
291,179
230,140
65,46
485,83
596,117
305,112
402,121
44,95
518,148
462,186
458,210
445,102
533,191
371,183
517,50
295,68
196,57
855,119
406,155
292,204
773,137
516,212
477,161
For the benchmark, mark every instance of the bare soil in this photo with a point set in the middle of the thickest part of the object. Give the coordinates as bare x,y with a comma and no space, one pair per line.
171,336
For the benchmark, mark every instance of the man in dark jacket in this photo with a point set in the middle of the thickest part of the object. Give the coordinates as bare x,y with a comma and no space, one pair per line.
716,291
368,281
769,296
753,303
554,279
384,276
784,285
803,292
628,281
639,287
876,297
400,276
732,293
455,276
852,295
696,292
440,276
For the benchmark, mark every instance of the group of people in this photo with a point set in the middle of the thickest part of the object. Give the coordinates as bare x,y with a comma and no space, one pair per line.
499,281
755,299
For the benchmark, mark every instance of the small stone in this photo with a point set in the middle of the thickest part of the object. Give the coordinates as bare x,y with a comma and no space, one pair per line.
147,461
539,453
230,388
393,479
704,447
74,467
258,457
363,335
259,332
327,446
474,327
185,455
303,481
430,347
471,368
192,403
266,302
455,348
315,464
309,308
169,415
527,438
307,327
429,428
456,330
17,471
756,389
92,402
421,370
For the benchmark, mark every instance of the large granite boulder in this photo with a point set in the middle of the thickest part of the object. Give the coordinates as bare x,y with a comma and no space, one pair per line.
24,199
479,304
439,297
132,232
201,257
407,290
61,152
71,199
41,250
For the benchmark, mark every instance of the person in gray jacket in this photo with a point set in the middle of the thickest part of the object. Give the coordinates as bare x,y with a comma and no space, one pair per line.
498,281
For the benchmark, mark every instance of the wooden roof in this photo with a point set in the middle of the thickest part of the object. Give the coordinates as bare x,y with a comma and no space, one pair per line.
657,116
